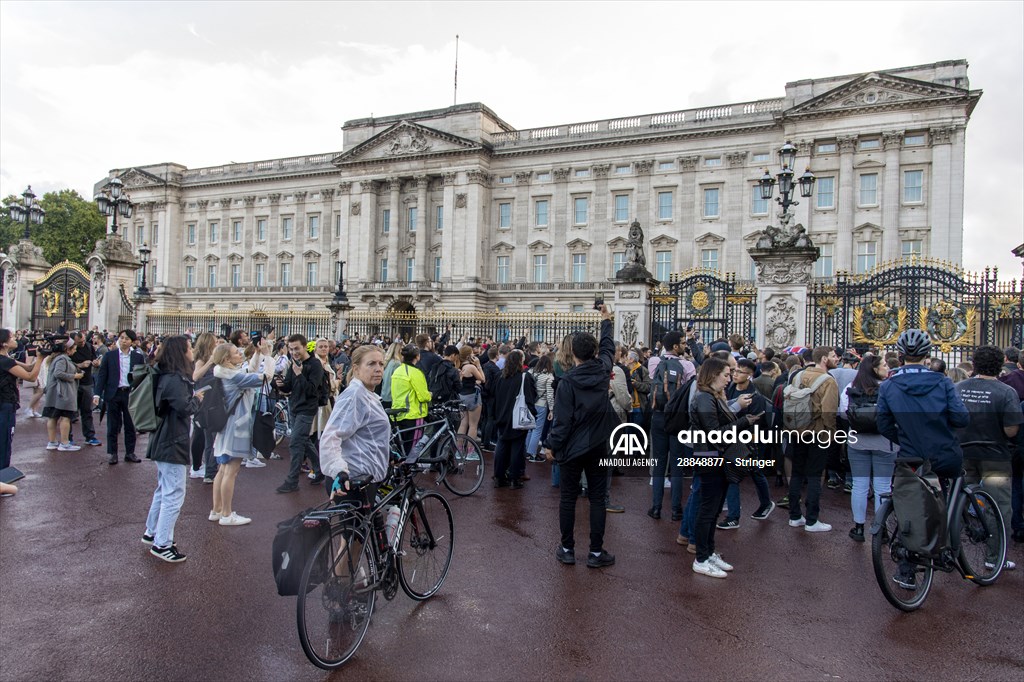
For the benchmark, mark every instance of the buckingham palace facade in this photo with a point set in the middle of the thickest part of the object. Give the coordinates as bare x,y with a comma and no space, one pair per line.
456,208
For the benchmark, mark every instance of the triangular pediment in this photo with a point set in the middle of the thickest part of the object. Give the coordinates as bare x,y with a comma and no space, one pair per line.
259,255
235,257
709,237
618,242
868,163
502,247
579,244
664,240
136,177
876,91
539,245
311,254
406,139
285,255
753,236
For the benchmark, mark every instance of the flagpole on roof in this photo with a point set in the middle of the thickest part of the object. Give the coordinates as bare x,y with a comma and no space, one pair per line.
455,94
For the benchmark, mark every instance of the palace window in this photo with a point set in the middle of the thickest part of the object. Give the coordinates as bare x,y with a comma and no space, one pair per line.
579,267
412,219
385,220
540,268
156,233
211,274
664,205
261,229
711,202
410,269
502,273
581,207
286,228
236,275
709,259
823,266
913,186
190,276
869,189
286,274
314,226
621,208
504,215
384,269
618,261
439,217
866,254
261,274
758,206
873,143
666,165
760,156
826,193
311,274
827,148
541,212
663,265
543,177
622,170
582,173
191,233
913,140
911,247
213,232
713,161
437,268
236,231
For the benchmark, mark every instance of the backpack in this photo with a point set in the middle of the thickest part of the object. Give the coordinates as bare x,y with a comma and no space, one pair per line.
920,509
862,412
796,402
666,382
677,411
142,399
439,385
214,413
293,544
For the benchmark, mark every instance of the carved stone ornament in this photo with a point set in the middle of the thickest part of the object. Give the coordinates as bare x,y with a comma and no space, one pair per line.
601,170
479,177
736,158
523,177
846,144
249,201
779,238
300,196
345,187
635,245
460,200
781,271
408,141
357,208
226,202
624,295
11,283
449,178
274,198
872,98
892,139
202,204
780,322
561,174
643,167
327,194
629,332
688,163
422,181
99,281
941,135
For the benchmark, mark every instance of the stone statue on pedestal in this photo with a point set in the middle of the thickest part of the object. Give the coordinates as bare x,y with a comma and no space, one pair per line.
636,262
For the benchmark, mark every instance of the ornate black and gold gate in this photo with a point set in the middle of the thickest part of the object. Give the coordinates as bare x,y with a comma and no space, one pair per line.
959,310
62,295
717,304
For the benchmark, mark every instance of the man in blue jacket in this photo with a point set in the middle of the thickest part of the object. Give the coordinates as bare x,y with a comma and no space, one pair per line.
918,408
579,434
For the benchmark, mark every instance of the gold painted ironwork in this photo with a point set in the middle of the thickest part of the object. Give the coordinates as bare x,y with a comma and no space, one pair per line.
60,266
662,296
51,299
830,305
949,325
883,325
1005,305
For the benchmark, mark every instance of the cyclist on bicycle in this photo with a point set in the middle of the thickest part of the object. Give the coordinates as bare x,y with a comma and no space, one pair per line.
918,409
356,436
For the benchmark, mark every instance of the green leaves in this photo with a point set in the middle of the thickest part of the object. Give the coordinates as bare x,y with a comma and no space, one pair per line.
70,230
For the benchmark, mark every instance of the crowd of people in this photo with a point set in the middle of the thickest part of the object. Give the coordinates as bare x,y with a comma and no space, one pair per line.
535,403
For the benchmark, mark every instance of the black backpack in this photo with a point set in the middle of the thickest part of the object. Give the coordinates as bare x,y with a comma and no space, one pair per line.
440,385
666,382
677,410
862,412
324,396
214,413
293,544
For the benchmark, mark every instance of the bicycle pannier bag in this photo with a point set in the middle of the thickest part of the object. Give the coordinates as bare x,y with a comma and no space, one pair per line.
293,545
522,418
920,510
796,403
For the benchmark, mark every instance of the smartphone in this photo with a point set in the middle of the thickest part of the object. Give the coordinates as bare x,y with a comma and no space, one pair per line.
204,389
31,352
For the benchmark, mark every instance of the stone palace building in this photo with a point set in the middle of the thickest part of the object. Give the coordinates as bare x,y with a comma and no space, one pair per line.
456,208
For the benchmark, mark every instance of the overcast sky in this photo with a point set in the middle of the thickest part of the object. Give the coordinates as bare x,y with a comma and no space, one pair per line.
86,87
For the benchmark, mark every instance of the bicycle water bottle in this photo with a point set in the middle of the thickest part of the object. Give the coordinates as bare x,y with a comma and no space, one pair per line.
391,524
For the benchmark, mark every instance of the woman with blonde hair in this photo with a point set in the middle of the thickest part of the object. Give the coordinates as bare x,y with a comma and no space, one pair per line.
202,446
234,443
469,391
321,350
392,361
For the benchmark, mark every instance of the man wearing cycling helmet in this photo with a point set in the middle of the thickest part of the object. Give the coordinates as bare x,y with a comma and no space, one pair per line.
918,409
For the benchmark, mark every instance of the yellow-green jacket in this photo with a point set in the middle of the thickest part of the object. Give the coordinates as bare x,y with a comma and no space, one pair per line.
408,382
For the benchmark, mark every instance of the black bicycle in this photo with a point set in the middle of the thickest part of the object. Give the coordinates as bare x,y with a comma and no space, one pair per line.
975,544
455,459
359,557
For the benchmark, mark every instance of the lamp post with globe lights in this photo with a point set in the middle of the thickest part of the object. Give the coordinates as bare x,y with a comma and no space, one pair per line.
112,200
142,292
28,212
787,157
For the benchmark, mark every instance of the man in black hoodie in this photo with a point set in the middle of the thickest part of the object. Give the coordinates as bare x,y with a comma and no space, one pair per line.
579,434
303,382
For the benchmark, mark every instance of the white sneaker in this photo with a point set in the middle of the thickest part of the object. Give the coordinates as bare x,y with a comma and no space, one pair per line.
707,568
37,414
254,464
796,523
260,456
817,527
67,447
717,560
234,520
196,473
214,516
52,445
1008,566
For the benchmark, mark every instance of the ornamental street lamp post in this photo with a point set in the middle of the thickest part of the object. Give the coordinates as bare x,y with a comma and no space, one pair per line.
787,157
339,305
28,212
143,291
112,201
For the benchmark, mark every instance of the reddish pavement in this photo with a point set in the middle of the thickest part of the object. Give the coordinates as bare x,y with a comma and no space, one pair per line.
83,600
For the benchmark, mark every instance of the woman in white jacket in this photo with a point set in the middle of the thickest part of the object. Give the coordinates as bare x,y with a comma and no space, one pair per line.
241,383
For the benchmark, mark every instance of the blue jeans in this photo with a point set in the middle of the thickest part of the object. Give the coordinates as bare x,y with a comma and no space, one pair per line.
667,451
732,495
688,527
300,447
1017,491
533,439
167,500
869,466
7,412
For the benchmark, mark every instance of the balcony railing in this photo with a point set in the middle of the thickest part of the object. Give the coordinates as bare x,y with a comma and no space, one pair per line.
294,164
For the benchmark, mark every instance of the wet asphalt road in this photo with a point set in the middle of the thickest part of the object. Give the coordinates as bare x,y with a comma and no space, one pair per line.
83,600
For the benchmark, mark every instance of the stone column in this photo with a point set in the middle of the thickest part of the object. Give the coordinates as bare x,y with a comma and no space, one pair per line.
300,238
225,237
643,191
448,181
20,270
943,193
249,240
682,258
361,222
559,221
783,275
394,271
846,206
632,288
273,240
599,224
111,264
891,197
422,232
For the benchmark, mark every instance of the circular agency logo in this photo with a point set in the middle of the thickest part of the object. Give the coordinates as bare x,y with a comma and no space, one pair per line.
628,440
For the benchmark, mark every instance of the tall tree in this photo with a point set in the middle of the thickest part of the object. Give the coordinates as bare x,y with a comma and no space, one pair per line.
70,230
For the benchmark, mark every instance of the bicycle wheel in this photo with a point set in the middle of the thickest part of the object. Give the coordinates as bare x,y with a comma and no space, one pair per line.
427,544
982,537
280,423
889,558
465,464
336,598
